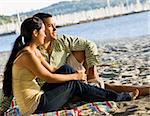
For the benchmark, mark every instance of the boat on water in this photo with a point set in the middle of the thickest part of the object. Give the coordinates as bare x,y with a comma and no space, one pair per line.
8,33
12,28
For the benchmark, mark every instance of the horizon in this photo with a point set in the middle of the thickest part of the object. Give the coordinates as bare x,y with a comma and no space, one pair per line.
9,7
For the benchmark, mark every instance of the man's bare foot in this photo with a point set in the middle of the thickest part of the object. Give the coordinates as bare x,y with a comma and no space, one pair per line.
134,94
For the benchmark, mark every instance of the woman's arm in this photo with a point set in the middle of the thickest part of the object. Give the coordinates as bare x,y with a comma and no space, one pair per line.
34,64
45,63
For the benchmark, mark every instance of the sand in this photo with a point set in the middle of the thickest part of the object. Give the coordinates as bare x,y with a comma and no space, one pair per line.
123,62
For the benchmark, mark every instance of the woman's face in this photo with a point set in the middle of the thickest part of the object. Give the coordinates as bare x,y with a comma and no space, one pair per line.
41,35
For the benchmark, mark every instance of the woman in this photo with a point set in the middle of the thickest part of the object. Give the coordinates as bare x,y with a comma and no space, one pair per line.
26,64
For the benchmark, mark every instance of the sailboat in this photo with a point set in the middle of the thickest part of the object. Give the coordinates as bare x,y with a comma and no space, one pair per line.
18,24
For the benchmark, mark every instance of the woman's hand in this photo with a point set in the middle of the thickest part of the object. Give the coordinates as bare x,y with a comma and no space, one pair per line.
81,76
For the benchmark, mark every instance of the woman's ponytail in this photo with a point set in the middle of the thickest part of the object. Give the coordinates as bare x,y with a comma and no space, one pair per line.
7,82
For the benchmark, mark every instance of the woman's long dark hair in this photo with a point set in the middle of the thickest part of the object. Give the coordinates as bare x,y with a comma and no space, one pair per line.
27,28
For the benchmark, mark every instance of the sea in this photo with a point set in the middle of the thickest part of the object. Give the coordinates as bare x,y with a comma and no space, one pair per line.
122,27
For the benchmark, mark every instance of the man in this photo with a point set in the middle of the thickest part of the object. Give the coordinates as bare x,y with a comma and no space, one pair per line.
79,53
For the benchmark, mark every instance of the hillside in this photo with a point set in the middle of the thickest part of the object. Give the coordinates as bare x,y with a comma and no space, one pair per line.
68,7
77,6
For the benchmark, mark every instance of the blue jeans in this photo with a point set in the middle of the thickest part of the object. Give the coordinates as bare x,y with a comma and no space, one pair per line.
56,95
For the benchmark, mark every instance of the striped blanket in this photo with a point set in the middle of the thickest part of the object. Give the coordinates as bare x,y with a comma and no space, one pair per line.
72,108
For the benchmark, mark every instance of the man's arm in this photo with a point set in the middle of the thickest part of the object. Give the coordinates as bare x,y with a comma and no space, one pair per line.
73,43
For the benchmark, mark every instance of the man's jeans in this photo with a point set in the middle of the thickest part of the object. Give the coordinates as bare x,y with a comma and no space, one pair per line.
56,95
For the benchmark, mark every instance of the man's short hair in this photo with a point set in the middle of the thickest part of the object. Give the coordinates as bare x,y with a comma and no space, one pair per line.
42,15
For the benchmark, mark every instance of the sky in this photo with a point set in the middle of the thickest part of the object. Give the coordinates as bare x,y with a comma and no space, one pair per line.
9,7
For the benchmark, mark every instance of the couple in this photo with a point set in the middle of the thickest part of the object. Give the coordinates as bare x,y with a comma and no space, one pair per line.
26,63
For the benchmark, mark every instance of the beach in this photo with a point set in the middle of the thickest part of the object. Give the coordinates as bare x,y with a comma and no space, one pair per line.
122,62
127,62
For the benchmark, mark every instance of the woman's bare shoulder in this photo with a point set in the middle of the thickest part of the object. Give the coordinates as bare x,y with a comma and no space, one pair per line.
23,55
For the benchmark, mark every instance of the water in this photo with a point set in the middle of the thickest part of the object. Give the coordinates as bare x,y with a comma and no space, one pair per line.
102,30
118,27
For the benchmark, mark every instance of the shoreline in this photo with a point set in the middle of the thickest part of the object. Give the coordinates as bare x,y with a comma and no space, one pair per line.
120,43
87,20
97,19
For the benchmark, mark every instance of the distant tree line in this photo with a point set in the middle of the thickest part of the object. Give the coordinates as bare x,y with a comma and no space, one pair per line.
69,7
4,19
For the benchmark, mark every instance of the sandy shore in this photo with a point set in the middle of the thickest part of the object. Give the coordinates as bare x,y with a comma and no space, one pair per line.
127,62
123,62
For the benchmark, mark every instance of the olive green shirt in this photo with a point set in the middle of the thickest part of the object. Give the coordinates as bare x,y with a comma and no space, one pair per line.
64,45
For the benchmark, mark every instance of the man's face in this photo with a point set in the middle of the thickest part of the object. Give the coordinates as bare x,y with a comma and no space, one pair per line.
50,29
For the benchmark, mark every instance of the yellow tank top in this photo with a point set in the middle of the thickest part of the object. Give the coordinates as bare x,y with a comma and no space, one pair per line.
25,89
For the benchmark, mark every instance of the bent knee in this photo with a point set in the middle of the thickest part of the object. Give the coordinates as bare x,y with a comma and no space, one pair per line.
79,55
